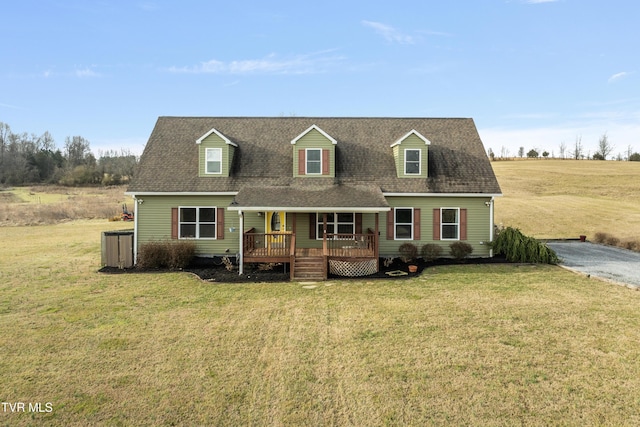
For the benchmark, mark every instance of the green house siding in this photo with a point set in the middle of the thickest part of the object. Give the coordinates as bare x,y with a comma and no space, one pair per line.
478,223
411,142
314,139
154,221
214,141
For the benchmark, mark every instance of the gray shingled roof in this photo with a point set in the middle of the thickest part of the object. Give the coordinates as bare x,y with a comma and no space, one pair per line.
339,197
457,159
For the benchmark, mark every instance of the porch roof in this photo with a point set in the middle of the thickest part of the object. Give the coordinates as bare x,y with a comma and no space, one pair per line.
333,198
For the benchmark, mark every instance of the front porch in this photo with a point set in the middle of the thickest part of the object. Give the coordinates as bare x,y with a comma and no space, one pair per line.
309,262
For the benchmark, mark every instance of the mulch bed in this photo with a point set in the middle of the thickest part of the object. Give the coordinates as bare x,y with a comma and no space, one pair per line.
213,270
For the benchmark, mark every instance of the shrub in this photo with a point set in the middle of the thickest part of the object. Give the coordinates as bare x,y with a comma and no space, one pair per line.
632,245
517,247
408,251
460,250
166,254
431,251
181,254
153,255
601,237
612,241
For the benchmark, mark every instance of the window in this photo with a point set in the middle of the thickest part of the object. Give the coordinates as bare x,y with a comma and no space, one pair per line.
197,223
412,162
450,223
314,161
214,161
404,223
338,223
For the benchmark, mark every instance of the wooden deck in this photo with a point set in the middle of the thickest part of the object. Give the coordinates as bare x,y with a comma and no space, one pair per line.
281,247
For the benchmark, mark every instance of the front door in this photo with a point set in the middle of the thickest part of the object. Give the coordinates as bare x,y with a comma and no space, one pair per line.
276,223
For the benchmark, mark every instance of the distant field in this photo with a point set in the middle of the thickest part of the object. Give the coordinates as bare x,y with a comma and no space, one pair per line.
567,198
38,205
460,345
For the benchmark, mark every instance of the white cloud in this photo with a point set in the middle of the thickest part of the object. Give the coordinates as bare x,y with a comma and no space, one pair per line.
86,72
300,64
389,33
618,76
13,107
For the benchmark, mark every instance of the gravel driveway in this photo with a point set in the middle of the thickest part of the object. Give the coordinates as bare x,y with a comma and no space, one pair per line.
607,262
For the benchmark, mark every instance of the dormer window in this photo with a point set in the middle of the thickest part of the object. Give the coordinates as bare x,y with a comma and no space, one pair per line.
314,161
412,162
314,153
410,154
214,161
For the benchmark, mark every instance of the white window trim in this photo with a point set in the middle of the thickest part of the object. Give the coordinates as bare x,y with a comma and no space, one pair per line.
457,224
395,224
419,161
306,161
206,161
335,222
198,223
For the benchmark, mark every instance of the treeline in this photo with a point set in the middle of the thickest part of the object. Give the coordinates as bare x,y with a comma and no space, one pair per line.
32,159
603,152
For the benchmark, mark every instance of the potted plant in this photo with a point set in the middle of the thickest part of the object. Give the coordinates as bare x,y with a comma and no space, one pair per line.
409,252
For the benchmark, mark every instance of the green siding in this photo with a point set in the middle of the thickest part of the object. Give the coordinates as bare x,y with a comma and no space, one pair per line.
314,139
412,142
478,225
154,221
214,141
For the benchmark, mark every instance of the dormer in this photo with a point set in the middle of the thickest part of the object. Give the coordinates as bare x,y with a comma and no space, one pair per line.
215,154
410,154
314,154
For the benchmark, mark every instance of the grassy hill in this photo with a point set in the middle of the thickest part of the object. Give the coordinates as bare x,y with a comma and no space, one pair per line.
567,198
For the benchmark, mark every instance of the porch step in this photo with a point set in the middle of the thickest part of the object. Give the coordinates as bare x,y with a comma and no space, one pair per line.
309,267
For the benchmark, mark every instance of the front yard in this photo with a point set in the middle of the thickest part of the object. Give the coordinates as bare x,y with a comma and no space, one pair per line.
485,344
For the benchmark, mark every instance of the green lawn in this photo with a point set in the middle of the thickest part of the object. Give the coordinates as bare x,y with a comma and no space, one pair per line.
477,345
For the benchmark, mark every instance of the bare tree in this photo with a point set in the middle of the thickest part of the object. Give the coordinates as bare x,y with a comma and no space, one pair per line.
76,151
521,152
604,147
577,151
563,149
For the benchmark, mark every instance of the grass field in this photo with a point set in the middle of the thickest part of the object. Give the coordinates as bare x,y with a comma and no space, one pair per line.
467,345
39,205
567,198
461,345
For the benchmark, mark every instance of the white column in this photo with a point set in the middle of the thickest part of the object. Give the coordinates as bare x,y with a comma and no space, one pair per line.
241,252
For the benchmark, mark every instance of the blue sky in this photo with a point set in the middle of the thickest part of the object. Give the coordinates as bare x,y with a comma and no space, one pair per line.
532,73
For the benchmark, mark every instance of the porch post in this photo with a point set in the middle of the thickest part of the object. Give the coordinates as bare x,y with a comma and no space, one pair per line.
324,233
377,243
241,233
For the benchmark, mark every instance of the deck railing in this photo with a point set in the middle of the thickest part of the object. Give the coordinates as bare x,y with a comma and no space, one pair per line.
268,245
351,245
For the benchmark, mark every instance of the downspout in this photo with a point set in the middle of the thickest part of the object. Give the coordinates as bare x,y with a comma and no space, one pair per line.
492,226
135,230
241,252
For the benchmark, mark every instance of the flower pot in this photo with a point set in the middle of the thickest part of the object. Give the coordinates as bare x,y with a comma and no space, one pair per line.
583,238
413,268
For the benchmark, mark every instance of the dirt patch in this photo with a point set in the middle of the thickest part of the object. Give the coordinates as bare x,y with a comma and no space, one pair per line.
213,270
